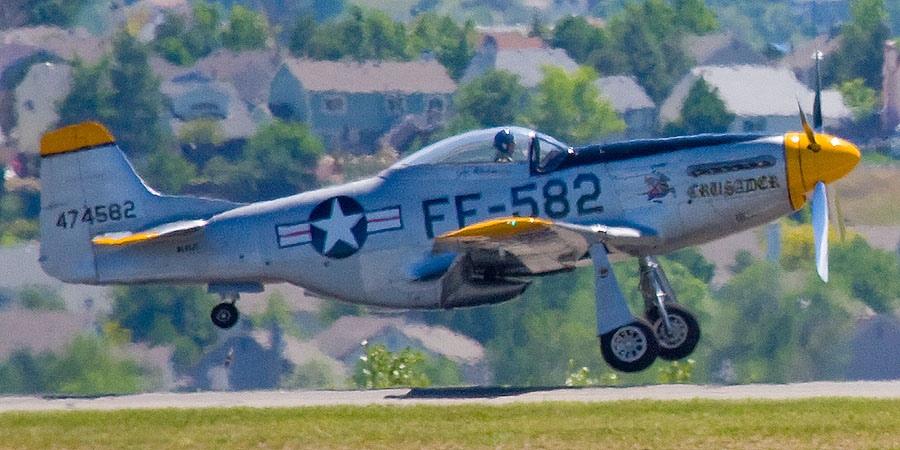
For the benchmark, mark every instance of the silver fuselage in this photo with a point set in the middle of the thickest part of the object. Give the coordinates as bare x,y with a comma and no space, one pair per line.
683,197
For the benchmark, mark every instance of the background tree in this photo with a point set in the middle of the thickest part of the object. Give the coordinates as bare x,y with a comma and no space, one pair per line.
645,41
577,37
703,112
781,327
303,30
91,96
571,108
493,99
88,367
41,297
279,160
452,45
862,100
168,171
85,366
247,30
54,12
167,315
695,17
860,53
136,98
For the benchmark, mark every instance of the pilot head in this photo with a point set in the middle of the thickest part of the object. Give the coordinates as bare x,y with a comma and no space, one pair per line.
505,143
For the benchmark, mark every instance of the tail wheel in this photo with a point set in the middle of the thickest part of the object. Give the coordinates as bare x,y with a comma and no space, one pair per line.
680,339
224,315
630,348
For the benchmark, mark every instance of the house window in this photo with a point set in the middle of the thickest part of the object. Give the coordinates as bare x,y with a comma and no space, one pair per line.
334,104
436,104
395,105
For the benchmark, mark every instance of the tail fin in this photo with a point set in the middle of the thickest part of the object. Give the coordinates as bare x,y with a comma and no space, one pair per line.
88,188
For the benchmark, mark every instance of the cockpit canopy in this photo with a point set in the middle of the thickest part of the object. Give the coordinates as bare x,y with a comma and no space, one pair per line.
477,147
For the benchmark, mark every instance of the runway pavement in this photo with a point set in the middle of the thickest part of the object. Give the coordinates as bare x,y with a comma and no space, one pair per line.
438,396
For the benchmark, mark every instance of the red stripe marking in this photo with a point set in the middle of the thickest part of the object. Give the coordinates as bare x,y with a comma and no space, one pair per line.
385,219
296,233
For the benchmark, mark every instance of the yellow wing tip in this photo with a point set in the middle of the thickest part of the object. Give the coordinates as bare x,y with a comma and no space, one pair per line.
75,137
130,239
501,227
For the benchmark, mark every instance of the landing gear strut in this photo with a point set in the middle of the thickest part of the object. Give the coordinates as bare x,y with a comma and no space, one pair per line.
627,344
675,327
225,314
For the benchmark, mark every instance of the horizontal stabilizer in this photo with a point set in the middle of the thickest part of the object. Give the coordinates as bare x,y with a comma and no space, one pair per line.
179,229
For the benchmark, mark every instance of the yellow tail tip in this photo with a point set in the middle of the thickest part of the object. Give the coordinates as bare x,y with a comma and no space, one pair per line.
75,137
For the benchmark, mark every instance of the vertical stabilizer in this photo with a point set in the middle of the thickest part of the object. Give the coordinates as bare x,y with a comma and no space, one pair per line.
88,188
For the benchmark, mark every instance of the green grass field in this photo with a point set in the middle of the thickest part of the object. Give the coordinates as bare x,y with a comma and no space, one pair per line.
700,424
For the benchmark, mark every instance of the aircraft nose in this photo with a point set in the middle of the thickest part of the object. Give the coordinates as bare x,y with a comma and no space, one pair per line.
805,167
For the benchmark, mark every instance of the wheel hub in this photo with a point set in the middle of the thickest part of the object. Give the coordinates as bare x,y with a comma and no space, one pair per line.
673,336
629,343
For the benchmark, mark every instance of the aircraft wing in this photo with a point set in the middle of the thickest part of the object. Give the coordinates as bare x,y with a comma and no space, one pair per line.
520,246
166,231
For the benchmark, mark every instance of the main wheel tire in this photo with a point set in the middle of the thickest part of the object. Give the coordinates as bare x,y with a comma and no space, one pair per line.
630,348
224,315
681,340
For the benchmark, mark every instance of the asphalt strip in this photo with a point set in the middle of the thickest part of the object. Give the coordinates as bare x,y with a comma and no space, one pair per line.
451,396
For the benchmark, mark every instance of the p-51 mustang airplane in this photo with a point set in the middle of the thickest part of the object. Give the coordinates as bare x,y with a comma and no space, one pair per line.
452,225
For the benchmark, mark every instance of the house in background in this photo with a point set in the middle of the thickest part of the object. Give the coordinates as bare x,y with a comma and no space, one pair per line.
721,49
517,54
36,97
351,105
14,59
342,341
632,104
250,72
802,59
65,43
763,98
194,96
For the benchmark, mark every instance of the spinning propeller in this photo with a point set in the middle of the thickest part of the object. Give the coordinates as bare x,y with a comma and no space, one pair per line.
818,160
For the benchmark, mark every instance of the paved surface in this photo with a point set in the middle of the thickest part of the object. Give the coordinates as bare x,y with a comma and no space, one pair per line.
484,395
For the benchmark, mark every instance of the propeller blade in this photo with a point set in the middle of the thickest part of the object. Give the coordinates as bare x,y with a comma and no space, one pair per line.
817,102
807,129
820,229
835,215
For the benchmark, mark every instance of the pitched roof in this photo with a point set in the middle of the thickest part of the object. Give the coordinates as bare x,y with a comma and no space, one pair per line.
346,334
38,330
624,93
250,72
721,49
386,76
511,40
65,43
754,91
802,56
526,63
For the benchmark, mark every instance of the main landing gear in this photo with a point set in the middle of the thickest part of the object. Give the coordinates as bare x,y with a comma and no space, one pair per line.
628,344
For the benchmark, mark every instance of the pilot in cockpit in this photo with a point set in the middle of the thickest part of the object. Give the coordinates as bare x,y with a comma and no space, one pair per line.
505,144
